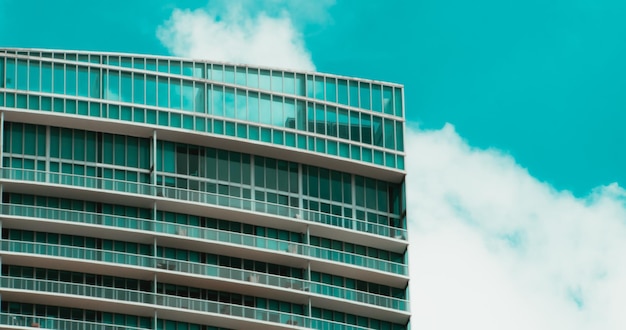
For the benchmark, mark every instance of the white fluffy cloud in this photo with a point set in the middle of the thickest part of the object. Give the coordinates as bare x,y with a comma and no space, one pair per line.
234,33
493,248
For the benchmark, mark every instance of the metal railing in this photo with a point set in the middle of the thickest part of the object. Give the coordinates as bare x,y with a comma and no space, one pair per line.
100,255
204,233
168,301
203,197
49,322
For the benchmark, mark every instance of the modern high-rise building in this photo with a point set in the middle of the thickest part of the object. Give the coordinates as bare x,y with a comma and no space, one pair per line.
150,192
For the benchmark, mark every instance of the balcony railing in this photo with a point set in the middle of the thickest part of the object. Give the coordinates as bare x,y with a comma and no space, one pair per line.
204,233
137,260
202,197
48,322
168,301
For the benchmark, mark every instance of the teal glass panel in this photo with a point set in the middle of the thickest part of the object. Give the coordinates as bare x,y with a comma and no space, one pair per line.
200,124
218,126
253,133
175,120
355,152
278,118
354,93
151,64
342,91
289,118
199,97
21,101
46,103
387,100
126,87
139,63
230,128
94,109
34,73
277,81
377,131
138,88
278,137
399,136
366,128
342,124
301,115
300,84
288,83
240,76
59,78
83,108
33,102
253,78
59,105
355,127
1,97
309,86
139,115
389,134
366,154
229,74
188,122
10,100
217,72
265,110
344,150
364,94
397,102
332,147
378,157
94,83
331,90
241,107
377,103
83,81
229,102
320,145
290,139
242,131
319,87
310,119
112,90
188,95
199,70
113,111
22,75
46,77
151,90
331,121
162,65
218,101
162,92
264,80
188,70
390,160
253,107
320,119
175,93
163,118
301,141
113,60
127,113
70,79
400,162
10,73
266,134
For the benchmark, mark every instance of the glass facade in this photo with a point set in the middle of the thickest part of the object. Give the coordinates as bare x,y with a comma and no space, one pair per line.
244,194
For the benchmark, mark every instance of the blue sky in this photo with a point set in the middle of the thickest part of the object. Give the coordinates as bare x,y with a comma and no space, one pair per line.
516,164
